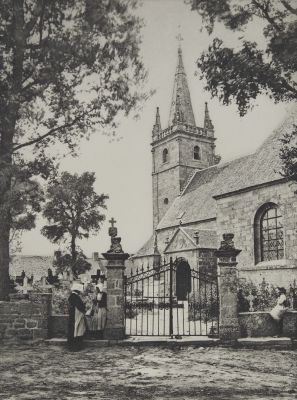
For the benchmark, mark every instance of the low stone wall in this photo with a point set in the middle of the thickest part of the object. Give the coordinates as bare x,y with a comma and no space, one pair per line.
261,324
25,318
58,326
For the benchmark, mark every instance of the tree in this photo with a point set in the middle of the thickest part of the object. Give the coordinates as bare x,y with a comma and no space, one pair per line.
73,212
241,75
67,68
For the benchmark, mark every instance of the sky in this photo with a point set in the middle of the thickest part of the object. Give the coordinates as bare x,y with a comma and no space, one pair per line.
123,167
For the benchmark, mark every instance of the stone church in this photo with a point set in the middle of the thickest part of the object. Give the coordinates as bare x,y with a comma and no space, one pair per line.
197,198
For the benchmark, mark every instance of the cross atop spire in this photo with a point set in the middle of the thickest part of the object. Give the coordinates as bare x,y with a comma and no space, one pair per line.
181,110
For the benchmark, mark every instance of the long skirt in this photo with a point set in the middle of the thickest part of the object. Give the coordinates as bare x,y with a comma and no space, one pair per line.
98,321
278,312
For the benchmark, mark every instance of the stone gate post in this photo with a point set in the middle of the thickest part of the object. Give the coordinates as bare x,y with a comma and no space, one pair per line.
115,325
228,285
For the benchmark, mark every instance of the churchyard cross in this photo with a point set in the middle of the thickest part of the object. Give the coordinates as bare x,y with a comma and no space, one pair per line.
112,221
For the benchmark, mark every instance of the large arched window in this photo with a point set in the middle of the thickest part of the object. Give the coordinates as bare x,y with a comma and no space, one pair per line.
197,154
269,234
165,155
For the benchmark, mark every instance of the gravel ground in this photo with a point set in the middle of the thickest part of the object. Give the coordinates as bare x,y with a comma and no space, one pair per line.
122,373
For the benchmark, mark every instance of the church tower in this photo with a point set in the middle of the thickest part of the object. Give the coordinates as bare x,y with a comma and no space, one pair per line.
181,148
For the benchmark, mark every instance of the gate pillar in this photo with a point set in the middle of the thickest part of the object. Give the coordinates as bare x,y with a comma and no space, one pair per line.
115,324
228,283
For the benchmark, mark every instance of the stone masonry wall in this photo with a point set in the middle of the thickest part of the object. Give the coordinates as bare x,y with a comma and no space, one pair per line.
25,319
236,214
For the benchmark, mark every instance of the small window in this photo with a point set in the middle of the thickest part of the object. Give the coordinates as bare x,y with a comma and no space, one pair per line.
166,201
197,155
269,236
165,155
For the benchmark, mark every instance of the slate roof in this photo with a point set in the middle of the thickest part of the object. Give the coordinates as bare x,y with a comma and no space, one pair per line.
146,250
258,168
207,238
38,265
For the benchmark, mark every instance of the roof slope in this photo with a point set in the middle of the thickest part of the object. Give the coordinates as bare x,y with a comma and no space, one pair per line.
261,167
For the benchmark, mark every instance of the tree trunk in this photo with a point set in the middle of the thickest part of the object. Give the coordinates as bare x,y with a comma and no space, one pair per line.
7,130
73,248
4,258
73,254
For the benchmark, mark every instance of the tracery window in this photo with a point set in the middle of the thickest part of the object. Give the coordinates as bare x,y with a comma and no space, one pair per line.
197,155
269,234
165,155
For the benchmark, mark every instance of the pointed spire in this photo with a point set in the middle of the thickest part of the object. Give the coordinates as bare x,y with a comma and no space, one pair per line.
157,126
181,106
207,121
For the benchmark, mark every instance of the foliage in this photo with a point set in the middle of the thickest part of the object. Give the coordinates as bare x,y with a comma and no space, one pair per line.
70,65
60,300
288,154
73,211
265,295
68,68
61,295
241,74
77,266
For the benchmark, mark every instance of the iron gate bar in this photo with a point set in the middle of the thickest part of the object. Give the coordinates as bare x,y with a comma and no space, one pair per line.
171,300
200,308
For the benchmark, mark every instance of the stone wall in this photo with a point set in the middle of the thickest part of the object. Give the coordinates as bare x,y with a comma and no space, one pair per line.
236,214
25,319
58,326
261,324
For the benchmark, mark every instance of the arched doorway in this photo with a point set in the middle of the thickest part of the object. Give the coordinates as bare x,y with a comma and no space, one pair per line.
183,279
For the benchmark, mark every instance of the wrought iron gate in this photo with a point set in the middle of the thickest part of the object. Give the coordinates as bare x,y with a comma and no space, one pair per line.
161,302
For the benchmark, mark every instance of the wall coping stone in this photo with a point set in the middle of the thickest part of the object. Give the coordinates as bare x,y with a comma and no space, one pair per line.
264,312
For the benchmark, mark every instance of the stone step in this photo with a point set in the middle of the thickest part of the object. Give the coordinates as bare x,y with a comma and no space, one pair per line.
266,342
202,341
198,341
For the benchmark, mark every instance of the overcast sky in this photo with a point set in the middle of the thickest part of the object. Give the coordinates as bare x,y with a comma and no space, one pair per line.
123,168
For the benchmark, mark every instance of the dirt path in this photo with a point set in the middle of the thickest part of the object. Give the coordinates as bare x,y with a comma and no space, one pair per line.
124,373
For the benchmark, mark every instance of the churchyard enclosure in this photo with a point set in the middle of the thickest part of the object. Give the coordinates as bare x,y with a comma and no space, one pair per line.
169,299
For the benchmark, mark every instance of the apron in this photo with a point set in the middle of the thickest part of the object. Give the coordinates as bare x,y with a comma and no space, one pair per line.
79,324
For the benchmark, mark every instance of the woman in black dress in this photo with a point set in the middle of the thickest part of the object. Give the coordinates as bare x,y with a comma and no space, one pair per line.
76,322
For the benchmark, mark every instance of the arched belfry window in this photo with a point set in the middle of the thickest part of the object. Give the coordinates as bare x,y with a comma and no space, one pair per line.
269,233
197,155
165,155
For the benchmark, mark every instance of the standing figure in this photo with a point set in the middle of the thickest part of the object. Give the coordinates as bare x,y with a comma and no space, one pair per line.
76,323
281,307
99,312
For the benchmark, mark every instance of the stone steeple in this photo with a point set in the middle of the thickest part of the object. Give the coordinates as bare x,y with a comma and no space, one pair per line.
181,110
181,148
157,126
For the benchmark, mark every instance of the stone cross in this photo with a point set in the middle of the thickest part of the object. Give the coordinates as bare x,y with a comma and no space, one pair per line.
112,221
112,231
